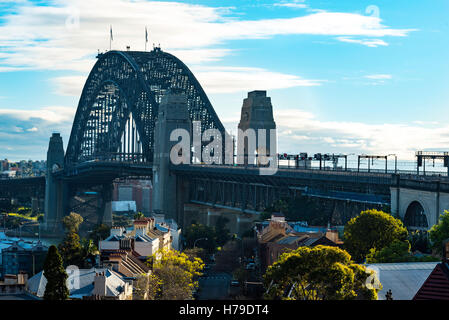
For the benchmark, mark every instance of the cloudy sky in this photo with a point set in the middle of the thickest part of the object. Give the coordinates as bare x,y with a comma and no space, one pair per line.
344,76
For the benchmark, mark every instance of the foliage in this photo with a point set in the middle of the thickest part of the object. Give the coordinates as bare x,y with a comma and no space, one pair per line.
72,222
88,252
318,273
138,215
397,251
71,249
100,232
372,229
440,232
145,287
56,288
221,232
198,231
196,253
419,241
227,259
301,208
175,274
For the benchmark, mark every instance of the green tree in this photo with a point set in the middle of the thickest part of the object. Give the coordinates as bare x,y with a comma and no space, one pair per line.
227,259
318,273
199,231
175,274
222,233
440,232
56,288
419,241
71,249
138,215
372,229
72,222
397,251
100,232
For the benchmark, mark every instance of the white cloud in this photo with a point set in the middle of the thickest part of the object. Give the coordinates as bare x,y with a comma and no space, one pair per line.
53,114
296,4
233,79
373,43
301,131
379,76
49,37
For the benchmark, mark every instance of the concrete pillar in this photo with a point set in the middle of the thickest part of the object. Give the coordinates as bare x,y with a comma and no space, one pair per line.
173,114
55,190
257,113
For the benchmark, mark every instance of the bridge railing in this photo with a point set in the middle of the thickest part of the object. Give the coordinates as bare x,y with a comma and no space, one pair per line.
115,157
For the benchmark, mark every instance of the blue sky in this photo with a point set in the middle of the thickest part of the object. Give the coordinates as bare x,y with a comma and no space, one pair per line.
344,76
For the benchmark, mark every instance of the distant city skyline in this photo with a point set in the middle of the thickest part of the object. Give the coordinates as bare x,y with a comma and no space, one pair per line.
344,77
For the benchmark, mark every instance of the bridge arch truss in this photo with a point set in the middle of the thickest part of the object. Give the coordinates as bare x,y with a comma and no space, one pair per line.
116,114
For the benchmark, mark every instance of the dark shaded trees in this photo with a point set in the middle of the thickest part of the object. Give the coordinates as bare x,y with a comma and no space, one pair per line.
56,288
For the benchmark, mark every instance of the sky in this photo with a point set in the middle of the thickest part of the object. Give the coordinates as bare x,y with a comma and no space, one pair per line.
362,77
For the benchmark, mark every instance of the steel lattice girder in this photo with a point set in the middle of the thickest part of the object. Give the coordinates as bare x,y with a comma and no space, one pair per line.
123,83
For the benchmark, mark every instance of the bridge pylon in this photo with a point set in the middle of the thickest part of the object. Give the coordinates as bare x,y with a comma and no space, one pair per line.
172,115
56,191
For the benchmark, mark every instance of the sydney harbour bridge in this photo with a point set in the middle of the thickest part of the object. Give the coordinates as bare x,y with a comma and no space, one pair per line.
130,103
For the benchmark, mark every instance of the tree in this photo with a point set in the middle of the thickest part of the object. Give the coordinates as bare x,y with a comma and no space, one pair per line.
397,251
72,222
318,273
440,232
100,232
419,241
199,231
145,287
175,273
71,249
222,233
56,288
138,215
372,229
227,259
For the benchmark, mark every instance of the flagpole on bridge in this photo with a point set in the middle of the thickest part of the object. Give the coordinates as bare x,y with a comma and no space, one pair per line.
146,38
110,38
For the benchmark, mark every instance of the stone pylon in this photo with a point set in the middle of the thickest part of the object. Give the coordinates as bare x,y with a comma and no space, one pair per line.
55,190
257,113
172,114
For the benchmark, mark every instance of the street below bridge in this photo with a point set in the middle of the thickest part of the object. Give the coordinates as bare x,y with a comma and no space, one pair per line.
214,286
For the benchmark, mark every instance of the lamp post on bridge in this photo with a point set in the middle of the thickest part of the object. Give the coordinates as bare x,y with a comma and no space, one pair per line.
395,162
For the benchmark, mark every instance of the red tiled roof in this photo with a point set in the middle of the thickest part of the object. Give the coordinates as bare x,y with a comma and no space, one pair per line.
436,287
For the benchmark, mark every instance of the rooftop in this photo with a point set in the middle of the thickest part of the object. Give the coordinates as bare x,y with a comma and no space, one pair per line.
403,279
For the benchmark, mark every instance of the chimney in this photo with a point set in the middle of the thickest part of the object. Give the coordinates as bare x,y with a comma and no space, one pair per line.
99,284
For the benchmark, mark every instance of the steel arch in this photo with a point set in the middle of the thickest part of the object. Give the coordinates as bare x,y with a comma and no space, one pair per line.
131,83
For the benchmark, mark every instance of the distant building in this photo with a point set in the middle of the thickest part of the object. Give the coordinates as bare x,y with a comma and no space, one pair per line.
87,284
146,238
13,284
277,236
139,191
22,257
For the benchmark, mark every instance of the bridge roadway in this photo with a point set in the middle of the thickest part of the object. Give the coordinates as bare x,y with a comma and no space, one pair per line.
241,187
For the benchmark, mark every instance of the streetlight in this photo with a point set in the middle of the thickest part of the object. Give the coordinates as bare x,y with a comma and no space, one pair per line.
194,243
395,162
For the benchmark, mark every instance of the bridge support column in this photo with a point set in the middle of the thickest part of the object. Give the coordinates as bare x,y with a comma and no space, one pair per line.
105,216
173,114
55,190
